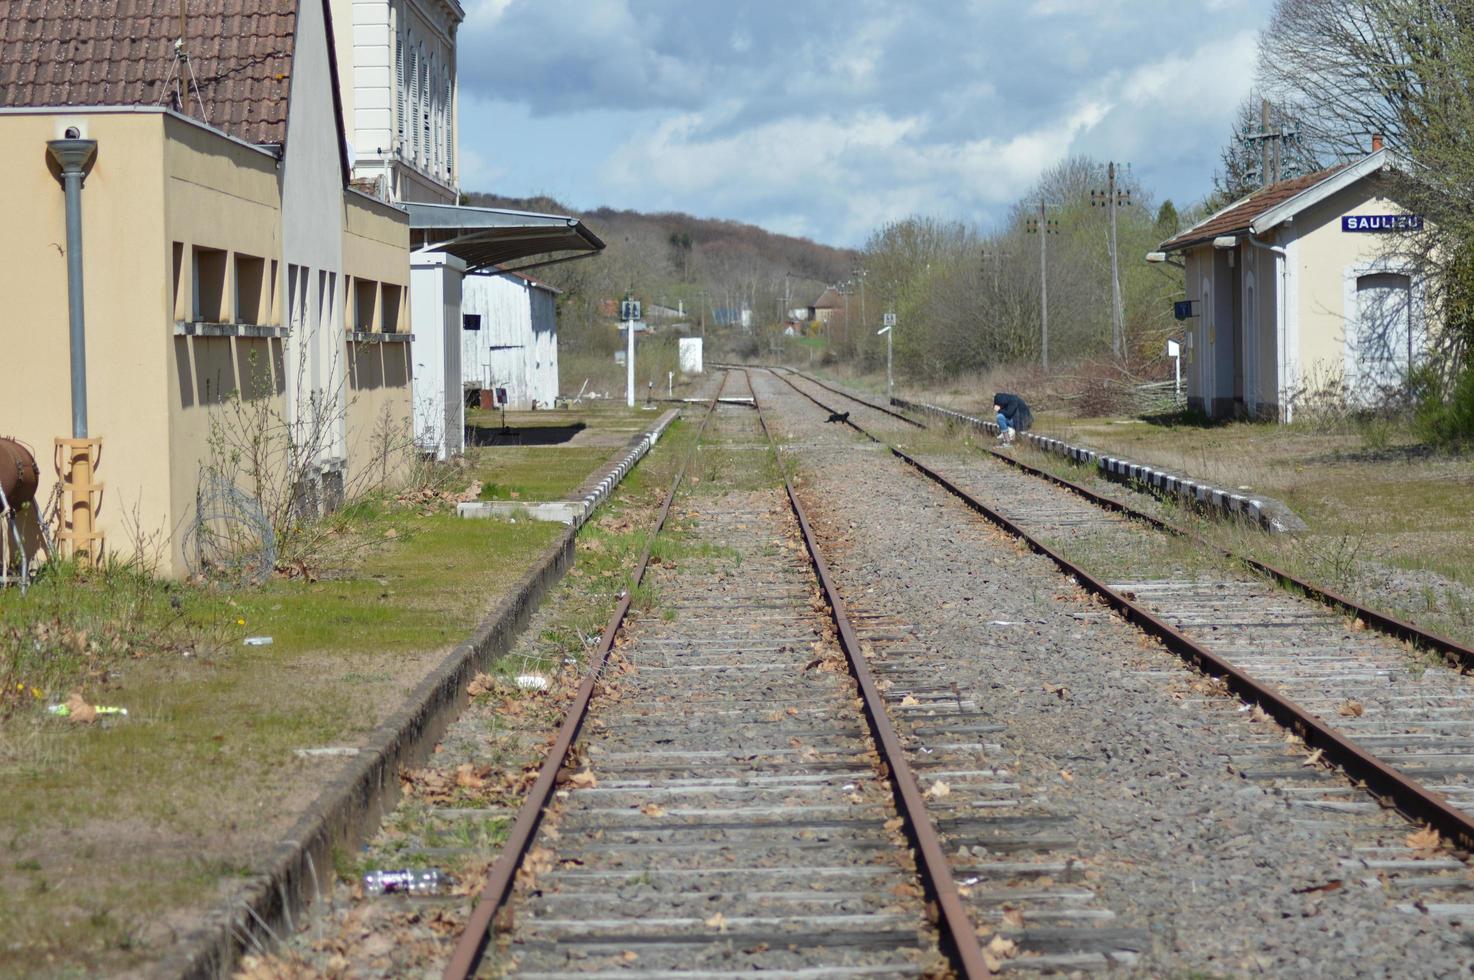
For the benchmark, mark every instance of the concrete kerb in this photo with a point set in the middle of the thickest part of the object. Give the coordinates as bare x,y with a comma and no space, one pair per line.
1270,515
578,505
351,804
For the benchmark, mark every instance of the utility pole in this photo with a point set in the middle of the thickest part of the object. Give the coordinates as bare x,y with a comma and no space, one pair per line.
859,275
1114,199
1273,139
1043,227
1264,151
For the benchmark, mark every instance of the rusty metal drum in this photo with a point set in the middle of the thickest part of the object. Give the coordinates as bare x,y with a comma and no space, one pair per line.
19,475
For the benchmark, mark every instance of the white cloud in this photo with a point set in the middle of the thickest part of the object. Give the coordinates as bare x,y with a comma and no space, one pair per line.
829,117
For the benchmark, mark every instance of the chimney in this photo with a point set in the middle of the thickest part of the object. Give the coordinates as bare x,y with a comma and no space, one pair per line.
1376,142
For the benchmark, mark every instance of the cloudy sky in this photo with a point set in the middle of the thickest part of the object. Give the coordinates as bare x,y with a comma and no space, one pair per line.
827,118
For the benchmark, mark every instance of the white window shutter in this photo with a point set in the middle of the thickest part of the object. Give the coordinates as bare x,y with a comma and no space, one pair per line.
400,76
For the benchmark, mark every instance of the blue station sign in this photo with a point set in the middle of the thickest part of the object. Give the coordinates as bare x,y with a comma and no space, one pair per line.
1382,222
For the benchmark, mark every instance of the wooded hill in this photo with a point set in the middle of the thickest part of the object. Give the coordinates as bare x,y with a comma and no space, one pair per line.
710,265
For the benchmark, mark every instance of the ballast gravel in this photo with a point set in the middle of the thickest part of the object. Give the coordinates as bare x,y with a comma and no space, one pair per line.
1230,876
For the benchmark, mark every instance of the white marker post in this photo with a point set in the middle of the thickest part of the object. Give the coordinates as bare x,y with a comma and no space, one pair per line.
1174,351
629,312
890,323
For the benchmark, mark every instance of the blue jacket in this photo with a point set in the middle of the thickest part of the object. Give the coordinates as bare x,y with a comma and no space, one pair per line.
1015,410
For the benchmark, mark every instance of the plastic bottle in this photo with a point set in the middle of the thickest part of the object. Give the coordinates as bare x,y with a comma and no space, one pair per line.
406,882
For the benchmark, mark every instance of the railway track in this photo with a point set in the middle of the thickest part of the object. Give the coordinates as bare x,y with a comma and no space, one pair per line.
740,800
1402,729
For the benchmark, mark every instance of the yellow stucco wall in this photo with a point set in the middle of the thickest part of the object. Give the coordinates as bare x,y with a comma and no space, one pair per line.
159,397
1325,253
376,253
226,196
126,263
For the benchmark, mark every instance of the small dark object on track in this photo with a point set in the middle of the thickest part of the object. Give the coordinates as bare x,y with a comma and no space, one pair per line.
838,417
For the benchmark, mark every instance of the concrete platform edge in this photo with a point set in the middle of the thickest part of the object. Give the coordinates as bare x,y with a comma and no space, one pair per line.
350,806
1269,514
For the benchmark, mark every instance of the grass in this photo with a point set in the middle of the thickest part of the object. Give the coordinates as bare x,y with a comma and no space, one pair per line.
533,472
1387,525
143,814
119,833
1387,516
655,358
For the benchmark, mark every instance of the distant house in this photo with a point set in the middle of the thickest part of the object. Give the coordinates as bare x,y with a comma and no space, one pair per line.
823,309
223,252
1297,288
732,316
659,312
509,338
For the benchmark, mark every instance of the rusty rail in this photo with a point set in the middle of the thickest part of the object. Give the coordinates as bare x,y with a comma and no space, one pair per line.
1409,796
469,948
1459,654
959,934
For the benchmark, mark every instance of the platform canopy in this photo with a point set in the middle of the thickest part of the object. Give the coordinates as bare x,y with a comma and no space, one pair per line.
492,237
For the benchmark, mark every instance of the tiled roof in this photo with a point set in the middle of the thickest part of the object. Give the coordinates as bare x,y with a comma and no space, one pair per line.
120,52
828,300
1240,216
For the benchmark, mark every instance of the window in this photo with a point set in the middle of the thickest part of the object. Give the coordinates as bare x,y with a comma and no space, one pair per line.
297,325
209,286
450,143
250,277
401,67
414,100
470,321
389,298
365,297
432,156
179,297
424,157
1381,350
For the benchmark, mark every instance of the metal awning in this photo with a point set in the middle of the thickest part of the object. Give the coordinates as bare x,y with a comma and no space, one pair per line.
486,237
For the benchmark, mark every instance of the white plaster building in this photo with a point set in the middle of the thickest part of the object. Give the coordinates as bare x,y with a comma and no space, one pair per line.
397,61
1298,288
509,338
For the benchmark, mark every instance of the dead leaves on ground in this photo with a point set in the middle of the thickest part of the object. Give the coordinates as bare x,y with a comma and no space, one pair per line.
1426,839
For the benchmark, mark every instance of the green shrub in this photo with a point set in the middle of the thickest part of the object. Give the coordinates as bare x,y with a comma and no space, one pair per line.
1445,416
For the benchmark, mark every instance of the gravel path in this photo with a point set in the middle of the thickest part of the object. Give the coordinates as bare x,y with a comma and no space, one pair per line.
1146,764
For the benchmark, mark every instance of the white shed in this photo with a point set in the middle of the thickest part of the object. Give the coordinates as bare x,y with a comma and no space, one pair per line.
509,337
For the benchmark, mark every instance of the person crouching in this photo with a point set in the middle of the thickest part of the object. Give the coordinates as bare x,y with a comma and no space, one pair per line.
1013,416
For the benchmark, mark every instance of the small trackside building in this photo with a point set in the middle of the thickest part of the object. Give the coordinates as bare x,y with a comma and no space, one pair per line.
509,338
1300,289
232,277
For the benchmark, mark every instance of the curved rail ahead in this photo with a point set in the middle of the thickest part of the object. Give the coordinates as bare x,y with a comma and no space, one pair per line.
1408,795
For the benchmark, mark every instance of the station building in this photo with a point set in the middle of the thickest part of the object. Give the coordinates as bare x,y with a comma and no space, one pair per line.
230,270
398,62
509,338
1302,288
